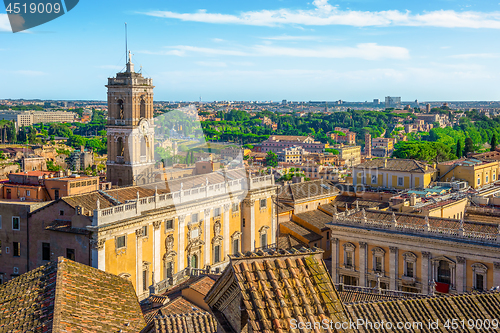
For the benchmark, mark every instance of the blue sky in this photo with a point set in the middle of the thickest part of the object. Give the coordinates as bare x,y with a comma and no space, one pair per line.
262,50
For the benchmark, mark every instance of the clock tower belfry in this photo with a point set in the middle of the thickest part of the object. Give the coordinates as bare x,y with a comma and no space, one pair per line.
130,128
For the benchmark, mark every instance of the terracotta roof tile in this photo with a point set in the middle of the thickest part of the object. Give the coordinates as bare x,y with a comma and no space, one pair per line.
316,218
66,296
309,235
284,285
478,306
396,164
202,322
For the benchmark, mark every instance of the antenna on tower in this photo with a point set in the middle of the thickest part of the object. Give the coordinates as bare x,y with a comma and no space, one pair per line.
126,41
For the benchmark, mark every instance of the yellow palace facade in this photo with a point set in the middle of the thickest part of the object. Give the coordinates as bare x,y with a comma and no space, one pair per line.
155,235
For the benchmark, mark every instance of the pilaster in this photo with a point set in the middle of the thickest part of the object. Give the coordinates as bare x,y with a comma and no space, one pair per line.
425,272
461,280
225,232
393,267
157,251
181,237
362,263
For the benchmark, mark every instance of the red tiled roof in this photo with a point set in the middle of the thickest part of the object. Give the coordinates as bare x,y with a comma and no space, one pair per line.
276,287
66,296
203,285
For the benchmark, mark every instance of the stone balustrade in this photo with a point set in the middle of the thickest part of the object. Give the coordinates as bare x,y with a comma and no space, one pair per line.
417,229
135,208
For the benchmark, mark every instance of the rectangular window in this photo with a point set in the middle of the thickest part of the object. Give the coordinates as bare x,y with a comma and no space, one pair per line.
374,179
409,269
479,181
56,194
348,259
145,280
400,181
216,212
169,224
216,254
236,207
263,203
120,242
145,231
486,179
94,182
263,241
378,264
494,176
194,218
236,246
479,281
70,254
61,212
45,251
16,223
16,249
28,193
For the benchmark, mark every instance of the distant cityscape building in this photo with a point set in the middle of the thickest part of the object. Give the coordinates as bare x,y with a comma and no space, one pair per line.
349,138
28,118
368,144
294,154
276,143
382,147
394,173
80,159
376,101
392,102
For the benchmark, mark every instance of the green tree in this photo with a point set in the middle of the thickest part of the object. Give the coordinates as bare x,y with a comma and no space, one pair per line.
459,149
469,146
493,142
271,159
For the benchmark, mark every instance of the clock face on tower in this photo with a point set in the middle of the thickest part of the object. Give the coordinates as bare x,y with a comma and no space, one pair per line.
144,127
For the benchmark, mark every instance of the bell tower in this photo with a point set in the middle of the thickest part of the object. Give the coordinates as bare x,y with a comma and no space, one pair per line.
130,128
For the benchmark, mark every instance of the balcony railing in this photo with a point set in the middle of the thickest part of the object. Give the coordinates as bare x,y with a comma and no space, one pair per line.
413,228
130,209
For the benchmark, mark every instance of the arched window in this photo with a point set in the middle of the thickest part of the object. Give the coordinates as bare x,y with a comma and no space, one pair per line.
143,108
119,147
120,109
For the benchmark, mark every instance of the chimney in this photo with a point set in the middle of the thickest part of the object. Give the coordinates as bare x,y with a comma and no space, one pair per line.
413,199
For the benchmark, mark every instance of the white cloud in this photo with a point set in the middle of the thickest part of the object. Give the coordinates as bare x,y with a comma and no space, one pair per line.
326,14
29,72
291,38
369,51
476,56
4,23
219,64
218,40
182,49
